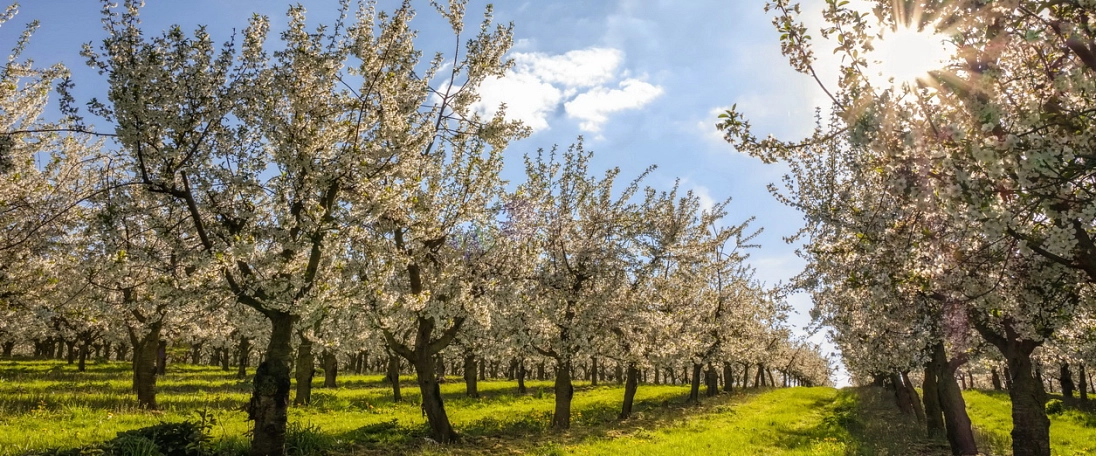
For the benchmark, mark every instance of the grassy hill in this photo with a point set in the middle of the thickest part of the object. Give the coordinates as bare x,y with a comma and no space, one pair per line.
46,404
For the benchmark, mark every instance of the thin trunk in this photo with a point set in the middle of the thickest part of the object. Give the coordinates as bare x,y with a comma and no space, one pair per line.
745,375
694,386
1065,379
330,369
711,378
82,357
71,356
631,384
393,376
225,359
995,379
770,372
593,371
521,377
161,358
244,356
1082,383
565,391
270,394
956,421
912,392
306,369
471,387
728,377
901,394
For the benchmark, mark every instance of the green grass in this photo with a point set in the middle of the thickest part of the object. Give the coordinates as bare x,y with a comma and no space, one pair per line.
1071,433
47,404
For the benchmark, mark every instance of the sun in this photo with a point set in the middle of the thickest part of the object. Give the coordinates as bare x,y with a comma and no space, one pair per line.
905,55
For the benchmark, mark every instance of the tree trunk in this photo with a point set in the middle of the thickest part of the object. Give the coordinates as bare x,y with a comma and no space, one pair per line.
934,415
901,394
306,370
471,387
956,421
1008,378
161,358
82,357
521,377
694,387
330,369
432,405
593,371
631,384
393,376
225,358
1065,379
912,393
1082,384
196,353
270,394
995,379
711,380
728,377
1030,425
561,417
244,356
8,347
144,364
70,357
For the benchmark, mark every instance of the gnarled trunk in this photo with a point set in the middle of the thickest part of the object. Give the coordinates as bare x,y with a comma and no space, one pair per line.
711,380
728,377
144,364
521,377
1082,383
432,405
631,384
270,392
956,421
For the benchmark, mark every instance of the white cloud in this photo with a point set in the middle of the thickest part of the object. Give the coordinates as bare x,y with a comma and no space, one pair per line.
593,107
539,84
578,68
527,98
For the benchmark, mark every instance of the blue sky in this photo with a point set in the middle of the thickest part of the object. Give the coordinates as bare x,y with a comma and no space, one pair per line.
641,80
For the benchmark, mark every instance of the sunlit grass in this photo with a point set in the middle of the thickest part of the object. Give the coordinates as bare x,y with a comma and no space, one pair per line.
1071,433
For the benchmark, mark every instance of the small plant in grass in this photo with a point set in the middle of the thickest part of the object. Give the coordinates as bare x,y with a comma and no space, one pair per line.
306,440
134,445
1055,407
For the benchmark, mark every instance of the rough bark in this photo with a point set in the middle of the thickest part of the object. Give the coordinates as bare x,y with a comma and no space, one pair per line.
565,391
914,399
956,421
432,405
901,394
270,394
1030,425
306,370
144,364
631,384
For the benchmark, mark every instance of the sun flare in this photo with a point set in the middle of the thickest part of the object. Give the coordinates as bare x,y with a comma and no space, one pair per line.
905,55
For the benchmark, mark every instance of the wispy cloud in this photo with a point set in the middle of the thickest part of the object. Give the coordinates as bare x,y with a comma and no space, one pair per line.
593,107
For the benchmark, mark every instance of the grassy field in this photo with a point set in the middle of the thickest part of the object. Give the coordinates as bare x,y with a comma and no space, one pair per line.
47,404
